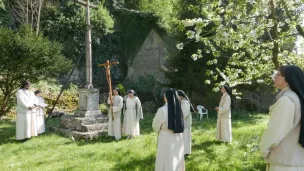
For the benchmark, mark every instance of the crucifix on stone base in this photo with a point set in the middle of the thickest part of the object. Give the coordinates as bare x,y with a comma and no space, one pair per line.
87,5
107,66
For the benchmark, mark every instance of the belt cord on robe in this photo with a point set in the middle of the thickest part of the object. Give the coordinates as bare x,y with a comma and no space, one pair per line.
125,107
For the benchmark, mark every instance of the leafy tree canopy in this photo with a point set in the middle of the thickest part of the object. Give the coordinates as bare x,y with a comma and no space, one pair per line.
254,37
27,56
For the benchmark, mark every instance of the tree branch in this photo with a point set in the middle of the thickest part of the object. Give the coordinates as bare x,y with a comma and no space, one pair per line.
274,35
298,27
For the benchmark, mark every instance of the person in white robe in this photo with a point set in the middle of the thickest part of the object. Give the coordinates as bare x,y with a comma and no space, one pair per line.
26,114
114,125
223,126
40,112
187,108
282,143
132,114
168,123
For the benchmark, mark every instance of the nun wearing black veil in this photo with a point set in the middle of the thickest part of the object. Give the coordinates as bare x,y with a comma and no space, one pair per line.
223,126
282,143
168,123
187,108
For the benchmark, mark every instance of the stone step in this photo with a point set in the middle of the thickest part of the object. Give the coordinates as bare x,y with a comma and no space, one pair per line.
75,123
94,127
76,135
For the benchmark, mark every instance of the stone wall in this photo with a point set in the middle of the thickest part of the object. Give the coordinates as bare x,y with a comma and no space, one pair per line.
149,59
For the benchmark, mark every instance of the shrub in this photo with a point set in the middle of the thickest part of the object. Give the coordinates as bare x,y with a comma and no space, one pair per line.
104,108
122,90
26,56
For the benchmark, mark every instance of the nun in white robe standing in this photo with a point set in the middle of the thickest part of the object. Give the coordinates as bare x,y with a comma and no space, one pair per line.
223,126
40,112
282,143
114,126
168,123
132,114
187,108
26,116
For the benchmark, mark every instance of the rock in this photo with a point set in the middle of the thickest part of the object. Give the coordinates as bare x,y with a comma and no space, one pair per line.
55,114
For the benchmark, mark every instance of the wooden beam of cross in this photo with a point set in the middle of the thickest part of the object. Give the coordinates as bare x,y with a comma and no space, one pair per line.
107,66
88,42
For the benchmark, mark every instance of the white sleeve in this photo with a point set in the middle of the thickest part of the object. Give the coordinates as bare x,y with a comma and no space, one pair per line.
279,125
21,100
226,106
119,106
186,109
42,104
158,120
109,101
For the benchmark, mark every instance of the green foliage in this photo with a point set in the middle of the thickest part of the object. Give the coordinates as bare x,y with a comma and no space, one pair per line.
66,23
104,108
4,14
27,56
53,152
146,87
254,37
68,100
168,12
122,90
133,26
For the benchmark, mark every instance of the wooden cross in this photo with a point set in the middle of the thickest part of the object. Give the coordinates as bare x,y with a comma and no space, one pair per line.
87,5
107,66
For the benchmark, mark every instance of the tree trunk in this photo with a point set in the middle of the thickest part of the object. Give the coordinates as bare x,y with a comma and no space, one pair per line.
38,17
274,35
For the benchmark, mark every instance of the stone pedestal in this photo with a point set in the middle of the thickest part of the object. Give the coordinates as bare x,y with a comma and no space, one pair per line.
88,121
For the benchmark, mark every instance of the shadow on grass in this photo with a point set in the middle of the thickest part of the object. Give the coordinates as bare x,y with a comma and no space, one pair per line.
135,163
7,134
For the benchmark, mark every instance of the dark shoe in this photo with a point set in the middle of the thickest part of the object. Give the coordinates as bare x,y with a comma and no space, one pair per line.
24,140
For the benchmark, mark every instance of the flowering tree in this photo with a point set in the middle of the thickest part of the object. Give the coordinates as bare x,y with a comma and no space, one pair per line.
253,36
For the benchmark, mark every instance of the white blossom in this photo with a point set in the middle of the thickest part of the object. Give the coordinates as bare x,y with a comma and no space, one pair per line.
216,89
287,20
189,22
194,57
197,38
199,20
190,34
180,46
207,81
260,81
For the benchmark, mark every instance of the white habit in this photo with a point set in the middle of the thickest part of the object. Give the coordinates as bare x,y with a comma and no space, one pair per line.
280,141
132,114
114,126
185,105
40,115
223,126
26,118
170,146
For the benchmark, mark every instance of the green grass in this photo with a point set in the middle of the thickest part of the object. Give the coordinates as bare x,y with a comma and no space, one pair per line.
51,151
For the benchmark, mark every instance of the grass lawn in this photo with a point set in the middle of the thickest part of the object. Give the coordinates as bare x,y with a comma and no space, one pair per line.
51,151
